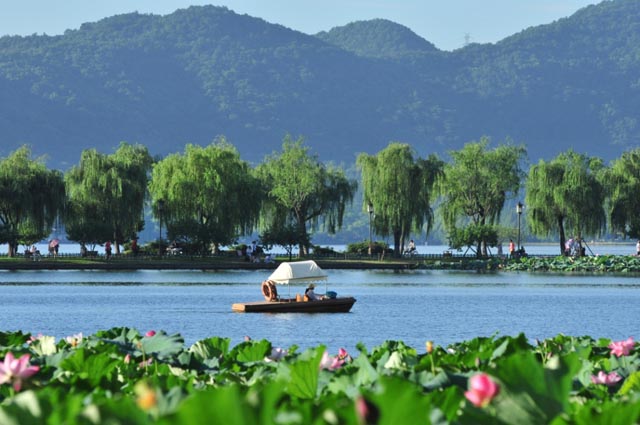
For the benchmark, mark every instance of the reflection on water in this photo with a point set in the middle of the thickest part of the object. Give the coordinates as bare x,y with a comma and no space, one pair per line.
413,306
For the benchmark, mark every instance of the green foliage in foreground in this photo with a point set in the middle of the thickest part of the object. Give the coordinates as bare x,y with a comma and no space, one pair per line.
600,263
119,376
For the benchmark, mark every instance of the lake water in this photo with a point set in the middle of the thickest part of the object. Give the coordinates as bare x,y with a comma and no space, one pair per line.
413,306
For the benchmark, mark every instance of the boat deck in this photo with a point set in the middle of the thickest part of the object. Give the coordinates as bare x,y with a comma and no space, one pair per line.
335,305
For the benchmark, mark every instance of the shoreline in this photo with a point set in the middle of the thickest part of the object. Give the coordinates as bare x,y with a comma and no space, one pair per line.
131,265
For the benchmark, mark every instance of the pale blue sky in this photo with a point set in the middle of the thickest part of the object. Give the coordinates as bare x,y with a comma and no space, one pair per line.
442,22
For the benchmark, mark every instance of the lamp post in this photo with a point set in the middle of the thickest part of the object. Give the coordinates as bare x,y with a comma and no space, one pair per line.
370,211
519,211
160,211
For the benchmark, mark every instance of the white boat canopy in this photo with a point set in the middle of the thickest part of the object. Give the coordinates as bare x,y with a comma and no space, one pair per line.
300,271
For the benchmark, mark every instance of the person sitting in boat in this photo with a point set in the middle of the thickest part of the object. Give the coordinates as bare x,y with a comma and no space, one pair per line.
311,295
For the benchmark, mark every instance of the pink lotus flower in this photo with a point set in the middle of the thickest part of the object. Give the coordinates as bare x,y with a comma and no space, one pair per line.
15,370
150,333
482,390
622,348
608,379
127,358
343,355
330,362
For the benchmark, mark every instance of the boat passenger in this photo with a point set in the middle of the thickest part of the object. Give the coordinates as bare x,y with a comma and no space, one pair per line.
309,293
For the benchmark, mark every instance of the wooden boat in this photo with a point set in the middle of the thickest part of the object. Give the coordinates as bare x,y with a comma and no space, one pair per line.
292,273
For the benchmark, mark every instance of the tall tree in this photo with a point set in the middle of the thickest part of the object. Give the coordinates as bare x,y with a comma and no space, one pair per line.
209,195
302,190
109,189
399,187
622,183
477,182
565,194
31,197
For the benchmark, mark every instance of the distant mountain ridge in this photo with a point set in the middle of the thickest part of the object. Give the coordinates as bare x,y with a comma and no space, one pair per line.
205,71
377,38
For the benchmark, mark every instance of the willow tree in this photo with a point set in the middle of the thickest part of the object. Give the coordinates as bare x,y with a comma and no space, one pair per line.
565,194
107,194
476,185
301,191
622,183
399,187
31,197
208,195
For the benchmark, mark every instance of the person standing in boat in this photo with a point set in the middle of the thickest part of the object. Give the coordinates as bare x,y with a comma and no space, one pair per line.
311,295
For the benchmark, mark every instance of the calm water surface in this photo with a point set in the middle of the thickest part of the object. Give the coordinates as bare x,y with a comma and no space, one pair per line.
414,306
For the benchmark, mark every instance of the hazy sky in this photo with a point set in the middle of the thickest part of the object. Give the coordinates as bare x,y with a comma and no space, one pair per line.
442,22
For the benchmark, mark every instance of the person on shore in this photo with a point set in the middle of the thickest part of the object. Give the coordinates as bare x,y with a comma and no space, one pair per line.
311,295
568,247
134,246
107,249
512,248
638,248
35,253
411,249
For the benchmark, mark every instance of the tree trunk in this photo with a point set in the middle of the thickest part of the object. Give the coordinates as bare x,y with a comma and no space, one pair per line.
562,235
302,229
397,249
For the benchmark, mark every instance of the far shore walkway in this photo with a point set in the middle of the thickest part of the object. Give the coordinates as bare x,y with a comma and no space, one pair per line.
200,264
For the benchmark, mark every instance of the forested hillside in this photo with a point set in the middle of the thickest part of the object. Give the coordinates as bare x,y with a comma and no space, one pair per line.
197,73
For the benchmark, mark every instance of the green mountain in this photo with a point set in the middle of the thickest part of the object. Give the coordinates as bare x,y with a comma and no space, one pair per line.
378,38
200,72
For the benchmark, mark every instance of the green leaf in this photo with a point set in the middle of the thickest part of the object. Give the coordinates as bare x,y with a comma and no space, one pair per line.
225,405
253,351
162,346
303,375
9,340
631,384
24,408
90,367
531,393
210,348
401,402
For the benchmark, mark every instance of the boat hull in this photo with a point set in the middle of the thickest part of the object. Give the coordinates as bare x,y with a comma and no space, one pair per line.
335,305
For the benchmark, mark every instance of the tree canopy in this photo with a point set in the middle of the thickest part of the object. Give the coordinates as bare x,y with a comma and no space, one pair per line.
399,187
477,182
300,190
31,197
622,182
565,194
209,195
108,190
